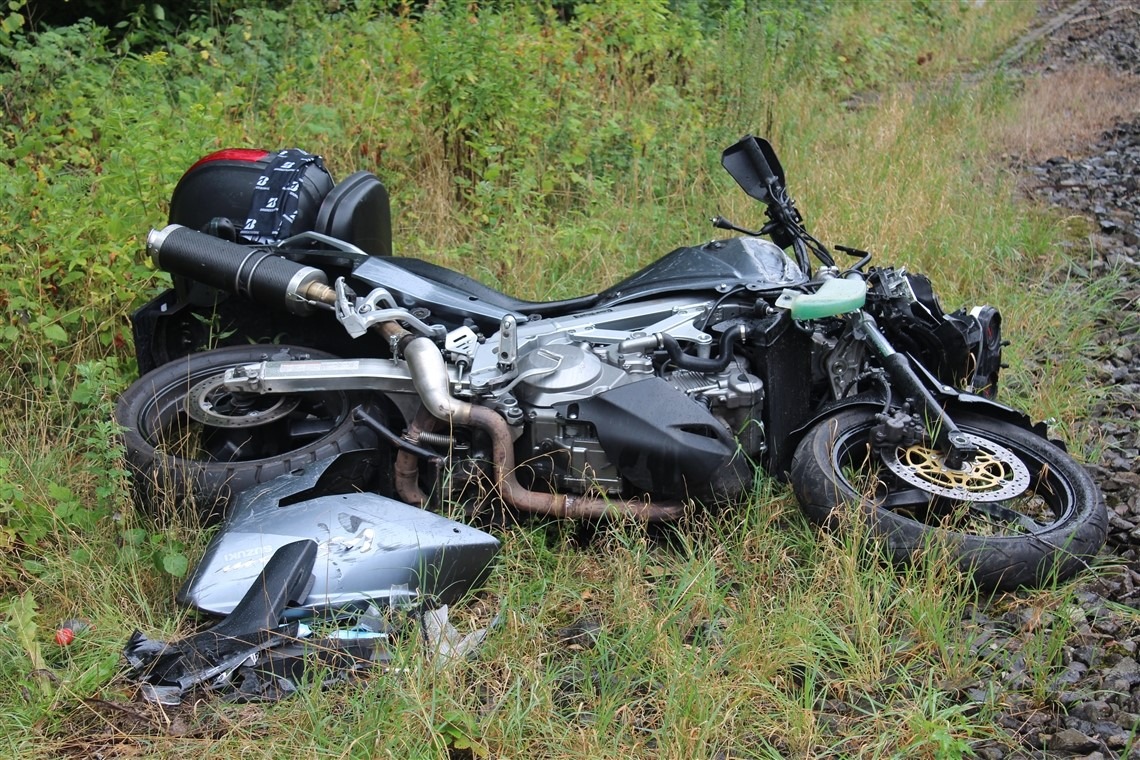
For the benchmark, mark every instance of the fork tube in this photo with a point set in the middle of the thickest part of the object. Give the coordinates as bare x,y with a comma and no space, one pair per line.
947,436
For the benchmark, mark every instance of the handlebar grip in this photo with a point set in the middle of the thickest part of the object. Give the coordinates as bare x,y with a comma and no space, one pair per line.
254,272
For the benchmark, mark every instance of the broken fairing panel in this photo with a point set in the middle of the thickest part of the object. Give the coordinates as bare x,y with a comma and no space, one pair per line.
367,545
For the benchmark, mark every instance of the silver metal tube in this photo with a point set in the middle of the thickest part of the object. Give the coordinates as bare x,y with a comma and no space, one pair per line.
429,375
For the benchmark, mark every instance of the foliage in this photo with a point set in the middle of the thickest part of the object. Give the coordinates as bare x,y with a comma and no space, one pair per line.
134,24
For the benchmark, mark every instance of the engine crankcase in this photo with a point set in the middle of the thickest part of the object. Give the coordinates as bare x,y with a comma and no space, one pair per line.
661,441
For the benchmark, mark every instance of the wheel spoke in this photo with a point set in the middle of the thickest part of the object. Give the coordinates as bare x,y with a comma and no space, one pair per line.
905,500
226,448
999,513
309,427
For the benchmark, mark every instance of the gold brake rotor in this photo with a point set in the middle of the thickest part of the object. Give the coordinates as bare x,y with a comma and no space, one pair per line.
993,474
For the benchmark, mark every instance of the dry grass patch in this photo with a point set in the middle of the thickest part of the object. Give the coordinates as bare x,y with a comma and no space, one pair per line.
1064,111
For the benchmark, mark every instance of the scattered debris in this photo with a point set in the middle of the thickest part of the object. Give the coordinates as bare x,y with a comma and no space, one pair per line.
69,629
252,654
443,642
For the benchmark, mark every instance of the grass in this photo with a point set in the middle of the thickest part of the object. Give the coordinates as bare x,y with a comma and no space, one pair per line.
743,633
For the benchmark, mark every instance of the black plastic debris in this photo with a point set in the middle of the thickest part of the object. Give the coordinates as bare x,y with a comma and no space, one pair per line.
251,654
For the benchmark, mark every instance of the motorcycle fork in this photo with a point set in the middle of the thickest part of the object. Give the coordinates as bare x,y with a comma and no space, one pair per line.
947,436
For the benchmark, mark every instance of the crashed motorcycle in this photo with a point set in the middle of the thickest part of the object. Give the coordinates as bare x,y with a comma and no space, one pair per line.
312,387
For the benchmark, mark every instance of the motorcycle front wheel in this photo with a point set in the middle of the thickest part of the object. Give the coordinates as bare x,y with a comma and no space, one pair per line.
1022,513
190,441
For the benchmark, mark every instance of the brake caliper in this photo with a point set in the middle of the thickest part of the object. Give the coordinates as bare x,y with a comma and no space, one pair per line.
897,430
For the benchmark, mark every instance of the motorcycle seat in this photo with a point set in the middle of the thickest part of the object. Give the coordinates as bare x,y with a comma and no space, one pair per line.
459,281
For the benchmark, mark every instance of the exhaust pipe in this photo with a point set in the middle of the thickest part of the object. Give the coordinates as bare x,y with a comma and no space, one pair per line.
258,273
429,375
557,504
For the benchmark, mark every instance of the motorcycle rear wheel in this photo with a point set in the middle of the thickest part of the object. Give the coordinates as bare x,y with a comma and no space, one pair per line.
1049,531
230,441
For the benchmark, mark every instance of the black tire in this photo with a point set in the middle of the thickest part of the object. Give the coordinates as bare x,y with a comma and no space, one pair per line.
174,459
1069,520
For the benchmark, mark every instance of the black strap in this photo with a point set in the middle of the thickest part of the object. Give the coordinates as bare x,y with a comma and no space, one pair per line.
277,196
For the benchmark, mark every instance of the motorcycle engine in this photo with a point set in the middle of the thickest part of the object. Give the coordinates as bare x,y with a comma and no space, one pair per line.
593,417
598,404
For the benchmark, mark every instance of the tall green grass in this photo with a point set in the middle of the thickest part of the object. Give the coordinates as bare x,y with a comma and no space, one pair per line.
549,159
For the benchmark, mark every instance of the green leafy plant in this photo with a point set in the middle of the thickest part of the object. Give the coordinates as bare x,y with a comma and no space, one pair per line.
457,731
161,550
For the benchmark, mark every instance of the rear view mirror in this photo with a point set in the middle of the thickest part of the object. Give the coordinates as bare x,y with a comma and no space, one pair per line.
753,164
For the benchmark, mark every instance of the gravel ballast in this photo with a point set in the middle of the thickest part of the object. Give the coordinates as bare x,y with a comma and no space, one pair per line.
1091,706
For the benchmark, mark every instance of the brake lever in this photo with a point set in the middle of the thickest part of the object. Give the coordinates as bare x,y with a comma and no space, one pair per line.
862,262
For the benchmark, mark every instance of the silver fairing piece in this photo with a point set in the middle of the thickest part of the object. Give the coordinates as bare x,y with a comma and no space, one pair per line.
369,547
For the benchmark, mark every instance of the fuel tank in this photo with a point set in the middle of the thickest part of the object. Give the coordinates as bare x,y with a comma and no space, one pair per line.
719,265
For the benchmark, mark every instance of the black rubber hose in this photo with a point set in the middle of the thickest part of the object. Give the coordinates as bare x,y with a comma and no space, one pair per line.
686,361
254,272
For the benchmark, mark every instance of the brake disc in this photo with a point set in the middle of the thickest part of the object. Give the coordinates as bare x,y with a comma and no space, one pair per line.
993,474
211,403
